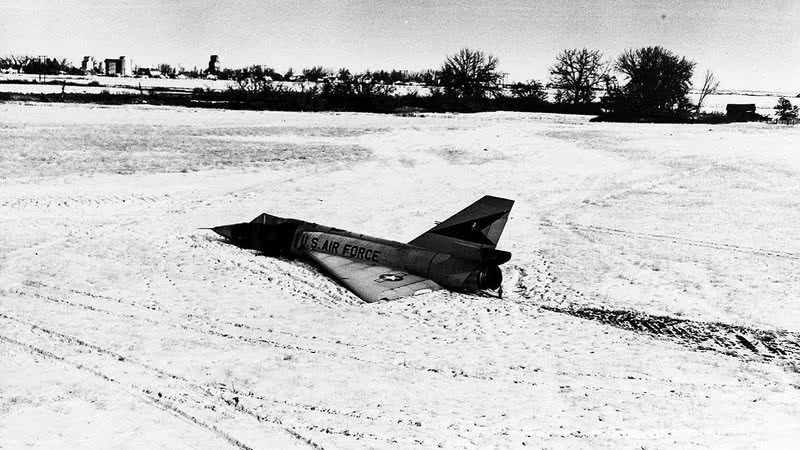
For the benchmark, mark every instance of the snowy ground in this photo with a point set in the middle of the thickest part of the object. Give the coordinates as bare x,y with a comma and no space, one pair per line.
652,299
22,83
133,83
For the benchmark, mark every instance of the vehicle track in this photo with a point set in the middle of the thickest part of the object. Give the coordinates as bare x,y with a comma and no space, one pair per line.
187,325
678,240
127,198
169,392
50,200
778,346
184,397
650,184
253,190
194,317
258,403
233,332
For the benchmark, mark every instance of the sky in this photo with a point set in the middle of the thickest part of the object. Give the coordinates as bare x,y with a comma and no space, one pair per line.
748,44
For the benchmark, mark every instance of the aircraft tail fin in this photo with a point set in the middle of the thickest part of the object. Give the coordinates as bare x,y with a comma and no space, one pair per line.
472,232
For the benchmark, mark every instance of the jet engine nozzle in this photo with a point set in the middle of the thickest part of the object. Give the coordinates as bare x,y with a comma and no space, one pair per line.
490,277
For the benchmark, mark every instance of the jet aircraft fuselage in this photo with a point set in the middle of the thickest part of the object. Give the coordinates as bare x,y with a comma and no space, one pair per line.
457,254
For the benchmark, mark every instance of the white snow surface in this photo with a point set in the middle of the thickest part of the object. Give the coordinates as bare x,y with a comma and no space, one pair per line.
124,325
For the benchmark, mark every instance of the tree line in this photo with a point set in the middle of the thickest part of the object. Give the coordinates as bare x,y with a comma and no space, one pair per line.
648,83
38,65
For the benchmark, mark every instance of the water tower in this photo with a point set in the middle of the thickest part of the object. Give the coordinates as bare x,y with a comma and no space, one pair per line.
213,64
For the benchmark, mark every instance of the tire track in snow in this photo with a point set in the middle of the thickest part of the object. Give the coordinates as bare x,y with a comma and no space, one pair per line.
166,390
158,400
238,398
235,334
143,394
758,251
648,185
211,331
729,339
173,391
191,316
778,346
88,200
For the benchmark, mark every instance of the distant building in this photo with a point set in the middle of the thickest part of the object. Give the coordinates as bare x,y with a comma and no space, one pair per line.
213,65
87,65
149,72
124,66
110,66
117,67
741,112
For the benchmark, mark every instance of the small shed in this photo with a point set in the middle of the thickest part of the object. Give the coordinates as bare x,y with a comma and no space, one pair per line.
741,112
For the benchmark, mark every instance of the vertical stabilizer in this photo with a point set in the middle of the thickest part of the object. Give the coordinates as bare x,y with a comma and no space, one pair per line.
471,231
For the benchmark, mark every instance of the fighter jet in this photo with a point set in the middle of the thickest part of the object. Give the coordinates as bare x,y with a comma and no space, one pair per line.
458,254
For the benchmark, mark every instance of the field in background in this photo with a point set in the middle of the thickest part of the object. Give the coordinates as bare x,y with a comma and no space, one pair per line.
764,101
651,298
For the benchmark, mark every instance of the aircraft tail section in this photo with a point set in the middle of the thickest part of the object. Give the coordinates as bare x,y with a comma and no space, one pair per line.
471,233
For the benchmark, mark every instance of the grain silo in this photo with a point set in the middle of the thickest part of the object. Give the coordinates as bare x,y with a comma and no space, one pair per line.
124,67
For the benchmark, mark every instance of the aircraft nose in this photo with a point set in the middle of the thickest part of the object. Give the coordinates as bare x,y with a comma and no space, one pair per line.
225,231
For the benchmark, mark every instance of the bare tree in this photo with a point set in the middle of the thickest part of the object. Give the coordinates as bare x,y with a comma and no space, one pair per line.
251,80
16,62
532,91
576,74
710,86
166,69
470,74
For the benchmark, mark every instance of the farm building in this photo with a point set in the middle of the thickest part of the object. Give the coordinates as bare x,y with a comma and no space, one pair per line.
741,112
117,67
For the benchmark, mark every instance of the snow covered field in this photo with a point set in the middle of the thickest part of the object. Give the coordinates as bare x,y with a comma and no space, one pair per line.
652,297
81,83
